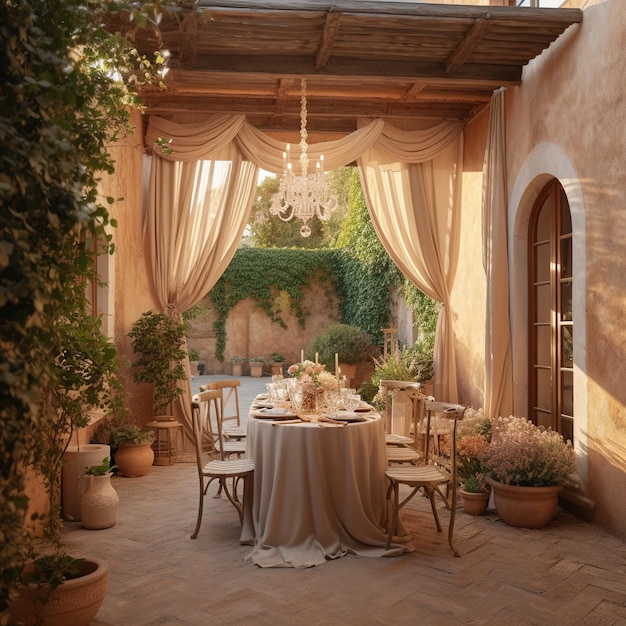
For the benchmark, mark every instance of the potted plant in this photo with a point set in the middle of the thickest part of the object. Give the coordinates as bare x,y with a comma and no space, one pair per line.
237,363
81,377
474,495
277,363
158,341
473,437
256,366
194,360
100,501
346,346
527,467
134,455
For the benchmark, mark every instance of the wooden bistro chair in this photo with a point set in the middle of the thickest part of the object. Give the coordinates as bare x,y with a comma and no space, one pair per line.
228,472
436,475
404,412
229,405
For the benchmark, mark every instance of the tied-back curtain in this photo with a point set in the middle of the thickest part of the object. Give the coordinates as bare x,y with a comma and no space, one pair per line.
197,211
414,199
498,383
192,228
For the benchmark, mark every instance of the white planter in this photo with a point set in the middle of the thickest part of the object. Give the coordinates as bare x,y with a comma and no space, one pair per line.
99,504
77,460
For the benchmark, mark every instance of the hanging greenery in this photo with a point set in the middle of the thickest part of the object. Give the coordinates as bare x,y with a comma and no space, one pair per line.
273,278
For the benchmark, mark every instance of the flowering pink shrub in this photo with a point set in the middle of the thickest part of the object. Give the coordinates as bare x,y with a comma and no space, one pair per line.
523,454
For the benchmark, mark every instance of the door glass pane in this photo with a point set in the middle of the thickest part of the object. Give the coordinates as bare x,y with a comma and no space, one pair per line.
566,218
544,389
567,428
567,347
566,258
544,304
543,222
542,262
567,393
566,301
544,354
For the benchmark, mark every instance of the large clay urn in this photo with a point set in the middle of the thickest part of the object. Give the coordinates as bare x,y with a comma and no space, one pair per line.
134,459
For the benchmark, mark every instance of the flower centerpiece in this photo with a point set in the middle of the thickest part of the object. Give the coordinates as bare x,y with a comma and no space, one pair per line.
524,460
314,379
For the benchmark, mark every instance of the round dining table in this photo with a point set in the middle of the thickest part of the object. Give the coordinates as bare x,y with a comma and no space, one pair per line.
319,491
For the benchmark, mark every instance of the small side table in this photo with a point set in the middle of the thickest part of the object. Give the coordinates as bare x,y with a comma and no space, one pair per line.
164,444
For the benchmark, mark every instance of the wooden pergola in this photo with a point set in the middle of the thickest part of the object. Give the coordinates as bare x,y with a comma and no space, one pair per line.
362,59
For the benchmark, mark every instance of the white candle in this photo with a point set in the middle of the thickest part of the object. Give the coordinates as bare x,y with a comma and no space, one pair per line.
301,356
337,365
316,355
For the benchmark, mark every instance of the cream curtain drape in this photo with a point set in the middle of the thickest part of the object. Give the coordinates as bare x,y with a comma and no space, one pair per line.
413,196
196,214
498,383
193,224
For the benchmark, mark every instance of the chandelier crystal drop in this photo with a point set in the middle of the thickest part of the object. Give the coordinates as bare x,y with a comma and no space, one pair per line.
305,195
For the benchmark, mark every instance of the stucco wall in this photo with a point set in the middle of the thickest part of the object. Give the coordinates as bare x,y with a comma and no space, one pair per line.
250,332
131,283
566,120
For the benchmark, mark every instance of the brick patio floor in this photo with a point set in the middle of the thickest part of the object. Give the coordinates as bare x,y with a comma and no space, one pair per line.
567,573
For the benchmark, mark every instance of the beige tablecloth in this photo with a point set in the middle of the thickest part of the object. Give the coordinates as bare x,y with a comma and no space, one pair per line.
319,493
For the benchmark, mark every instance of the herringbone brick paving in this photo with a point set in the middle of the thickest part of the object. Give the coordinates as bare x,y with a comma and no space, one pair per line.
569,573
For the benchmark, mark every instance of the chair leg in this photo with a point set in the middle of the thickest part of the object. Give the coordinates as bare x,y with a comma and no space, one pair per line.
451,525
433,506
234,500
200,511
393,525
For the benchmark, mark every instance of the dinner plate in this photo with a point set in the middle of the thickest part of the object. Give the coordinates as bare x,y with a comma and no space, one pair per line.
364,408
347,416
273,414
263,405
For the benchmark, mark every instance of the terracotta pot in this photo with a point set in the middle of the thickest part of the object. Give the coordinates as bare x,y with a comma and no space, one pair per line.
237,369
100,503
474,503
525,507
277,368
256,369
134,460
75,601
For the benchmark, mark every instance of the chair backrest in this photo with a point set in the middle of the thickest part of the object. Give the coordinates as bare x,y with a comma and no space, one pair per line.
208,423
229,399
445,455
401,408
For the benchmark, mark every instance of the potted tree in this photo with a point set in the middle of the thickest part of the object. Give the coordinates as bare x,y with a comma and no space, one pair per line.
158,341
352,346
81,377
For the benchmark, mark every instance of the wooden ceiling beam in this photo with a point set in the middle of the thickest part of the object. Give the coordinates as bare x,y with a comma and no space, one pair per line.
331,26
467,46
302,67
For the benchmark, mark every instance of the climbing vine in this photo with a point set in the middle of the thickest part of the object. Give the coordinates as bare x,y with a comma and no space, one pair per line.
272,278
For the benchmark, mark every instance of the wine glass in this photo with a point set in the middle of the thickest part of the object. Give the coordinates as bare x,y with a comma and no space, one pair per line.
351,401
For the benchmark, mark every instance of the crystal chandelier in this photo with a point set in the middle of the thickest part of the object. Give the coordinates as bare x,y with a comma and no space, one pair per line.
305,195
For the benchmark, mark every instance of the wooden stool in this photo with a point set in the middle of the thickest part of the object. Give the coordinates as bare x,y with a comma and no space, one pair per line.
164,444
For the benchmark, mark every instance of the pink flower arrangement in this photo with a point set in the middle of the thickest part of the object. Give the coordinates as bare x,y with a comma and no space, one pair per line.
523,454
308,372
